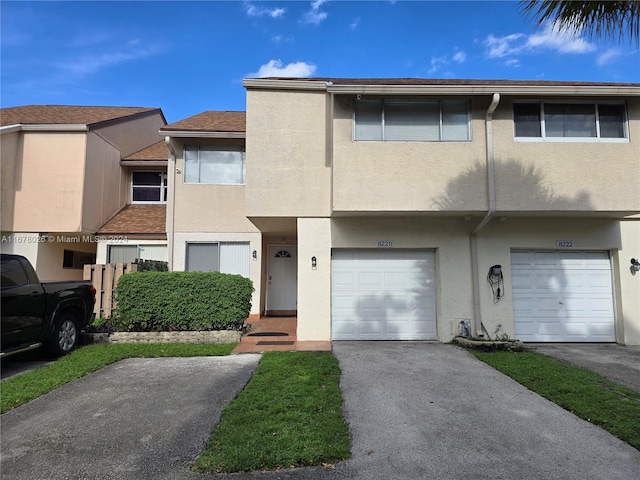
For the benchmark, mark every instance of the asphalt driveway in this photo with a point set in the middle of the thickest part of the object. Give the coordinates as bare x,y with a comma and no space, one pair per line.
417,410
136,419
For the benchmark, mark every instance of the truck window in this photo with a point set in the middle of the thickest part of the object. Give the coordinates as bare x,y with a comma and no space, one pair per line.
13,274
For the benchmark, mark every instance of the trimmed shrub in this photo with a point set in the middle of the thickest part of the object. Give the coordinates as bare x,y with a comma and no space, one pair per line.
179,301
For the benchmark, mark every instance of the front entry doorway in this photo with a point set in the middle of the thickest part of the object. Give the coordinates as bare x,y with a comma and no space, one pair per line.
282,280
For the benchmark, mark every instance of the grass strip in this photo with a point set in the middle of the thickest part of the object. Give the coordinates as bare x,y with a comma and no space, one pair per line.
586,394
288,415
25,387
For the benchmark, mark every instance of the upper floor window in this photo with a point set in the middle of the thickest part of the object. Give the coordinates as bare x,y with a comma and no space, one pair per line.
555,121
148,187
412,120
225,166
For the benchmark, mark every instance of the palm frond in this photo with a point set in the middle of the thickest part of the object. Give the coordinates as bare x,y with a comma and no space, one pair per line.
597,19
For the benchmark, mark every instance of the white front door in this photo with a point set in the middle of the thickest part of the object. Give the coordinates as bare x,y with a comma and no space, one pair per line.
282,279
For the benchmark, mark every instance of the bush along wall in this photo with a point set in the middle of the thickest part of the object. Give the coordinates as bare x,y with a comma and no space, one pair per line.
180,301
152,265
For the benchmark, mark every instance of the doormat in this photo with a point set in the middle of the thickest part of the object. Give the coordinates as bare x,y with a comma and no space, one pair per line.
275,343
268,334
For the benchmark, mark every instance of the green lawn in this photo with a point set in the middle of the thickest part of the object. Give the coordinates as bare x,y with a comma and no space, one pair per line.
27,386
586,394
290,414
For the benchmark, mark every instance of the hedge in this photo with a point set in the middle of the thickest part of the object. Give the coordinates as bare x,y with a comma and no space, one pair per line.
180,301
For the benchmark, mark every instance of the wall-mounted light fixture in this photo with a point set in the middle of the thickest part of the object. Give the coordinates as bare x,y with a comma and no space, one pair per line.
635,266
178,171
255,254
314,263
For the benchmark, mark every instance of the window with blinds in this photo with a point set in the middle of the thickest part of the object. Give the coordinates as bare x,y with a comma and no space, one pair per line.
231,257
392,120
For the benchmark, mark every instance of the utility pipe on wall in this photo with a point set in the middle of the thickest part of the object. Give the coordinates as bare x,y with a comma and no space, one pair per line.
491,191
171,201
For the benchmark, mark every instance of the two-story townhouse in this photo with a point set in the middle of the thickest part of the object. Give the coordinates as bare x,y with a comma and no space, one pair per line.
207,226
62,179
408,206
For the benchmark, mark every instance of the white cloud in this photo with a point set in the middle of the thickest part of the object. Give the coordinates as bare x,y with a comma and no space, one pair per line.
512,62
314,15
257,11
553,38
355,24
608,56
275,68
92,63
437,63
550,38
460,57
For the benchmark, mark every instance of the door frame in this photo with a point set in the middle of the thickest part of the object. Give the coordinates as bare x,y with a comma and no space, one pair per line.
278,313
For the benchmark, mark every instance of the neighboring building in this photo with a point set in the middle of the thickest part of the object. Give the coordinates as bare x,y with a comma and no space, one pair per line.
139,230
398,208
207,227
62,179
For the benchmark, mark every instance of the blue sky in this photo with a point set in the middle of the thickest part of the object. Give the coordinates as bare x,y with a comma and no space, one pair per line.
187,57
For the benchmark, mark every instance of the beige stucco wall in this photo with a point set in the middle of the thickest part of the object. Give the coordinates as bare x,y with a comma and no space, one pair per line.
499,238
314,285
627,283
579,176
207,207
9,153
287,170
105,183
48,186
408,176
134,135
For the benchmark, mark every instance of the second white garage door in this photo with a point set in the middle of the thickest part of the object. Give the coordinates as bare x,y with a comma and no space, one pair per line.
562,296
383,295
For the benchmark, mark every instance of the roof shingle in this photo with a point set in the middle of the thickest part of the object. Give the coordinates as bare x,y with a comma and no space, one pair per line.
137,219
156,152
68,114
211,121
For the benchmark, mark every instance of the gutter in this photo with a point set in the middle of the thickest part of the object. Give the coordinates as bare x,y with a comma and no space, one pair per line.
491,190
171,201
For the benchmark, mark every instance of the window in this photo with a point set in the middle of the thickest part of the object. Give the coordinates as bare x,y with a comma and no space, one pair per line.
77,260
129,253
214,165
555,121
13,275
412,120
148,187
232,257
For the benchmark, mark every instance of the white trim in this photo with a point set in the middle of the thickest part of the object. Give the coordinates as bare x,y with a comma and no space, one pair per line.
199,134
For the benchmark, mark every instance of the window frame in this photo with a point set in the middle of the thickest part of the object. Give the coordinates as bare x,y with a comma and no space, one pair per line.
597,139
222,148
413,100
163,187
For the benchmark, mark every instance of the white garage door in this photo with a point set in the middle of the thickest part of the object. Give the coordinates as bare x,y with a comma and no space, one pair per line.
562,296
383,295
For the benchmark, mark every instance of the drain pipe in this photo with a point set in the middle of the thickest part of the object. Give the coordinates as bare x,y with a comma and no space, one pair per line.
491,190
171,201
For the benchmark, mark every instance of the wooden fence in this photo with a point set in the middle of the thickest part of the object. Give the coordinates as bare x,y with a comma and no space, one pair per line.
104,278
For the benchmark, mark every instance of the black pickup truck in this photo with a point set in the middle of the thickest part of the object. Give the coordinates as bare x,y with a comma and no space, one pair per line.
35,314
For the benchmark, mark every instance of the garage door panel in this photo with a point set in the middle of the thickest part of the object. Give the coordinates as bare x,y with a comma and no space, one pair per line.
393,297
562,296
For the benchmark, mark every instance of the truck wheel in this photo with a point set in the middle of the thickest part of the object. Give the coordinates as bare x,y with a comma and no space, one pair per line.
64,337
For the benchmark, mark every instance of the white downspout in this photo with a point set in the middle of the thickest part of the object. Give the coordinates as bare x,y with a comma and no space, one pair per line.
171,201
491,190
